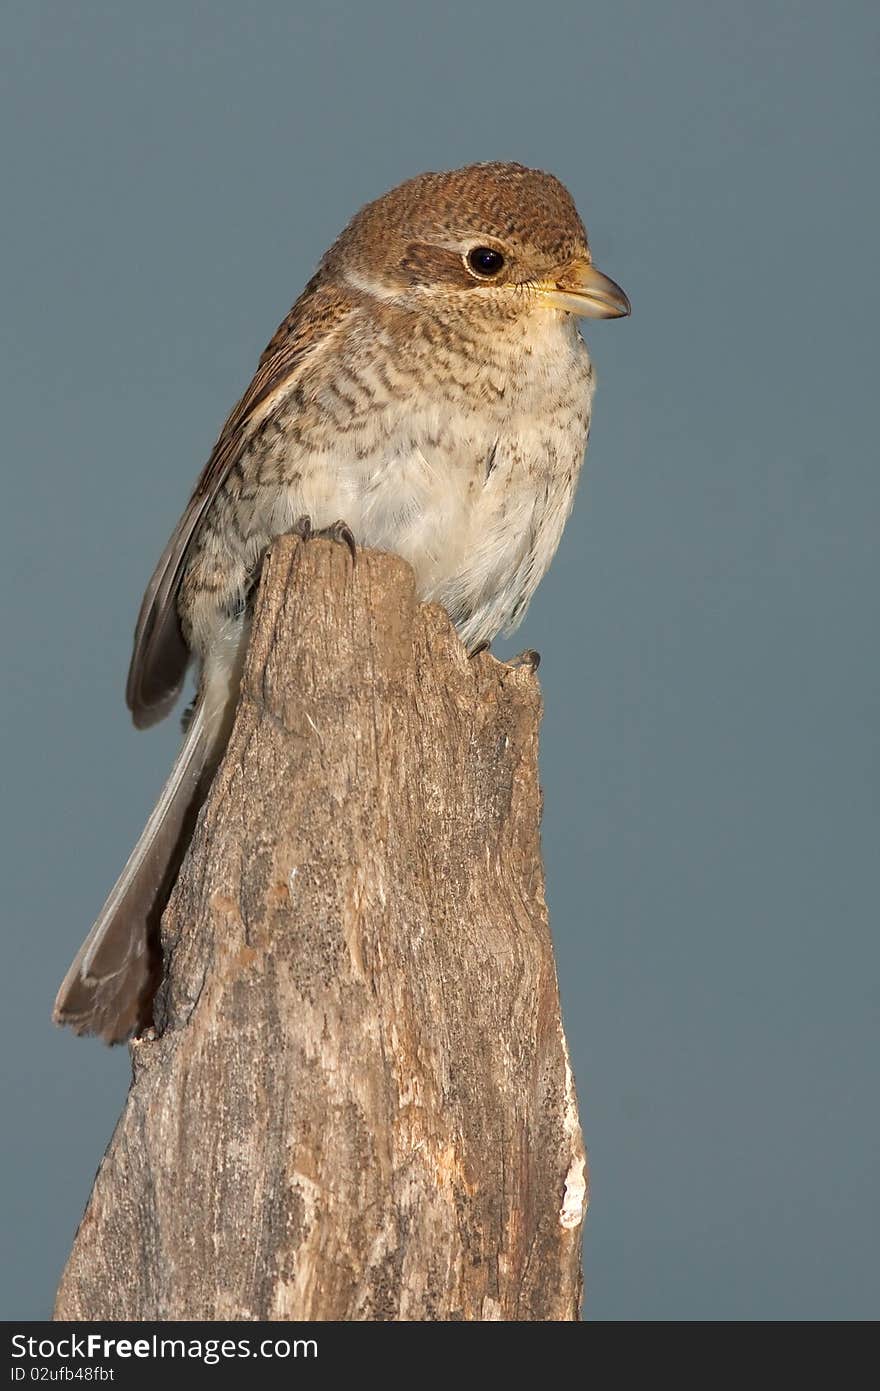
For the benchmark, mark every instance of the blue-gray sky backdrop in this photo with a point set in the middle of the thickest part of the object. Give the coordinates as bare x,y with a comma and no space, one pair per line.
171,173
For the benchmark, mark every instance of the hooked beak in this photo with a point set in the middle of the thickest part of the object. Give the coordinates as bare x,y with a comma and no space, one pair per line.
586,292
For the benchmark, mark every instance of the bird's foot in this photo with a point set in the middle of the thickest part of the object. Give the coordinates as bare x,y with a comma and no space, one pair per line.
186,718
530,659
337,531
340,531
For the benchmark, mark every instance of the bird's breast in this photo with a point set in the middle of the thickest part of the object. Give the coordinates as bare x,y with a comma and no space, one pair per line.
462,463
468,474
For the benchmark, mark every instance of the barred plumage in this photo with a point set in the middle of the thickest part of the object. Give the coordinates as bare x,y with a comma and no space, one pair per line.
439,411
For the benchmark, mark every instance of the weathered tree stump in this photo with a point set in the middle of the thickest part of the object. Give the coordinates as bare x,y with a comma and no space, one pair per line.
358,1103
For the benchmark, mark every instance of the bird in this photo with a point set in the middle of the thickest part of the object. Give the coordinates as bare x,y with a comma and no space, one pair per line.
428,394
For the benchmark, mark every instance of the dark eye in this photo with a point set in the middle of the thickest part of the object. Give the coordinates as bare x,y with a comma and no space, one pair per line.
485,260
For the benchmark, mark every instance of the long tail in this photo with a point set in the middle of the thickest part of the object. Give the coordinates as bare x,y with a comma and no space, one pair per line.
110,984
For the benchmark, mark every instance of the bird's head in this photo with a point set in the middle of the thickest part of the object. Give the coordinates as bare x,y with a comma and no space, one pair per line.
488,241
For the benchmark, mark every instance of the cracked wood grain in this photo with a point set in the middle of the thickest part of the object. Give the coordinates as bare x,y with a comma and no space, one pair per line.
358,1104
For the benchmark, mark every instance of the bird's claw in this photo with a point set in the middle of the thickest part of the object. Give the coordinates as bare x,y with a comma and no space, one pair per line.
186,718
480,647
530,659
342,532
337,531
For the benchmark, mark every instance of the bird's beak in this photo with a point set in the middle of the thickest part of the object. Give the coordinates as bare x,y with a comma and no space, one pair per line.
585,291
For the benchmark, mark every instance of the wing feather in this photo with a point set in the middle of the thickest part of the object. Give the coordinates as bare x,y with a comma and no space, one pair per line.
160,656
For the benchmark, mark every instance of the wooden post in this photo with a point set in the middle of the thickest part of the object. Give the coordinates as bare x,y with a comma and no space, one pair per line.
358,1103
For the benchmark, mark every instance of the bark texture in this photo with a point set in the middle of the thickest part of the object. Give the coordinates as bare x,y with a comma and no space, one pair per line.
358,1103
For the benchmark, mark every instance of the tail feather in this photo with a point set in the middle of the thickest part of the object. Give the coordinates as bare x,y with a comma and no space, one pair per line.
109,986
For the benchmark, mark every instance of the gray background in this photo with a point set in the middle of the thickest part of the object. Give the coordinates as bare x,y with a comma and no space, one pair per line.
172,171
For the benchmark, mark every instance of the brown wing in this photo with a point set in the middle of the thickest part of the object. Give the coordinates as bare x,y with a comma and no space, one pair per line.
160,656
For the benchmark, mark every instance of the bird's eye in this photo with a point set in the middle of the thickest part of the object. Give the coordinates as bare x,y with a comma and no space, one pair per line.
485,261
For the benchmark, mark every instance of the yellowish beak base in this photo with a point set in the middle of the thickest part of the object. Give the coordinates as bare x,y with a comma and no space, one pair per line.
586,292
